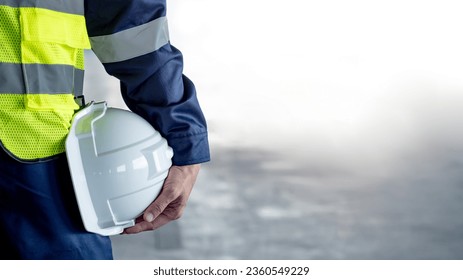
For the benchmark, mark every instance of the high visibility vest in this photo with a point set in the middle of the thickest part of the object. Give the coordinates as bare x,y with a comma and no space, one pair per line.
41,71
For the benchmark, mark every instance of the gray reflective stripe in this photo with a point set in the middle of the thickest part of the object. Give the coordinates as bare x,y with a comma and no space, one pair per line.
133,42
67,6
78,82
44,78
11,78
40,78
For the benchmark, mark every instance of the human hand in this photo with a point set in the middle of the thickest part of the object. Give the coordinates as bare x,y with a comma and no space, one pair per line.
171,202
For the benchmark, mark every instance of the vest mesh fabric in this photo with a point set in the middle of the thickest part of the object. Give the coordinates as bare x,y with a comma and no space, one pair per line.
34,125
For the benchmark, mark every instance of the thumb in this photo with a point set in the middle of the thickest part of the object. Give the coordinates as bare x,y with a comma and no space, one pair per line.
156,208
167,195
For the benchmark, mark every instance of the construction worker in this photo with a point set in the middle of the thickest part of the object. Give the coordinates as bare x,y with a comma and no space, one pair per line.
42,47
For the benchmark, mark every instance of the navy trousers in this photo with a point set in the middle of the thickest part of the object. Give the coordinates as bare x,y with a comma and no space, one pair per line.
39,218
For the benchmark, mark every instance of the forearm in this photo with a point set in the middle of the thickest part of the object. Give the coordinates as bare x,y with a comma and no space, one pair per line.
152,80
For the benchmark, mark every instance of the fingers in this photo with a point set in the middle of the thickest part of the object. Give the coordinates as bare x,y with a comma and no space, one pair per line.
157,207
172,190
175,192
171,202
146,226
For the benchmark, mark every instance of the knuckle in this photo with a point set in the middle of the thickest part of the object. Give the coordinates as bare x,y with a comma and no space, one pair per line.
156,208
175,215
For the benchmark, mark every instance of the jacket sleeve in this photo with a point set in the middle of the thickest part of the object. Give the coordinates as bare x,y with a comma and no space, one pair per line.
131,39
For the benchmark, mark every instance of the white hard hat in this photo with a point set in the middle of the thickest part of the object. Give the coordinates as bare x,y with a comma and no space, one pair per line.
118,165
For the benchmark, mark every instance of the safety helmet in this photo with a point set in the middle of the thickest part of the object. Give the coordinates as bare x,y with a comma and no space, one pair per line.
118,164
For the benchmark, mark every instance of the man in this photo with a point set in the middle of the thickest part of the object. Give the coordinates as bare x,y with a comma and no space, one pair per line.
42,43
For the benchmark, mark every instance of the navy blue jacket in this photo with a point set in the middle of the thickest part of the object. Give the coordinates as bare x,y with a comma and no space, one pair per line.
150,71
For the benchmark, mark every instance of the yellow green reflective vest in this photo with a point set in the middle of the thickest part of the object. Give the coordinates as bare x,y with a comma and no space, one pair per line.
41,71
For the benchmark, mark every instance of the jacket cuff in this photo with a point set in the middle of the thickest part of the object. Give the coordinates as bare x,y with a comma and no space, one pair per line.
190,149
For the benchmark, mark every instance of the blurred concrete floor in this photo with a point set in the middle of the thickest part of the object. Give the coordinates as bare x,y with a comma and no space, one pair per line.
244,207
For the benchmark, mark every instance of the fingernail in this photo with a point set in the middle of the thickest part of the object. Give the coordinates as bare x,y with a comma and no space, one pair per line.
149,217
